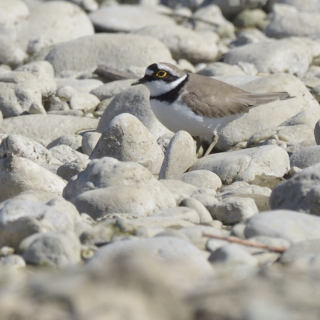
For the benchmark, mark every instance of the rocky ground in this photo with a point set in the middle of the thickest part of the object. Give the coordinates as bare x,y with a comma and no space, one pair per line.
106,214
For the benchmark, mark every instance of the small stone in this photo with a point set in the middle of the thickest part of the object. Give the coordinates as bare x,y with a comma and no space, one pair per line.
201,179
180,155
12,261
243,189
232,254
184,213
55,249
73,141
89,142
85,102
111,89
193,203
234,210
65,154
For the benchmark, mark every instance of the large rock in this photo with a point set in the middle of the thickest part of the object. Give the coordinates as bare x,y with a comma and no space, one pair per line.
261,118
188,261
20,92
27,148
119,51
127,139
288,21
109,172
43,71
285,224
46,128
21,218
301,192
21,174
13,18
288,55
134,100
55,22
135,200
305,157
55,249
125,18
183,43
267,162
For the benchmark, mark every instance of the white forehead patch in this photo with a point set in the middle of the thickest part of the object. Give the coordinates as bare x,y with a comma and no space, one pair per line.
166,68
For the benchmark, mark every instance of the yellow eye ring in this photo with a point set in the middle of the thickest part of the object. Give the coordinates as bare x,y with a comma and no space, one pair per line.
161,74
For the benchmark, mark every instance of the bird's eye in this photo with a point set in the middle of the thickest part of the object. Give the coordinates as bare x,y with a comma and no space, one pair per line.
161,74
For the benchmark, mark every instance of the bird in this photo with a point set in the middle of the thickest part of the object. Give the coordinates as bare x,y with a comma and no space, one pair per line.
197,104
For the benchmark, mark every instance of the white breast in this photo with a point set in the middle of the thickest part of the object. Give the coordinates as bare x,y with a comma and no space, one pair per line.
178,116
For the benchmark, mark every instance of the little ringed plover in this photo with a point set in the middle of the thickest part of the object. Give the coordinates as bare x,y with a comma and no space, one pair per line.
197,104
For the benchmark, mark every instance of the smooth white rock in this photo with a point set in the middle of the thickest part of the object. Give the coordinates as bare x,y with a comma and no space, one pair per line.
43,71
234,210
125,138
101,202
201,179
247,164
89,141
285,224
21,218
232,254
20,93
183,43
134,100
20,174
43,30
180,155
118,51
46,128
262,117
109,172
202,211
125,18
58,249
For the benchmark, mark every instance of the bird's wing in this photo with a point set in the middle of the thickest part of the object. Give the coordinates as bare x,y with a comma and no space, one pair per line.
223,99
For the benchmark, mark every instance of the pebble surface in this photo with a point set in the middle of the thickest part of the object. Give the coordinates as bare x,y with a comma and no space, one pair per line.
92,184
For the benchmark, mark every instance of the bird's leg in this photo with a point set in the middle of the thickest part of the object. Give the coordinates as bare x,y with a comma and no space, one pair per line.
214,141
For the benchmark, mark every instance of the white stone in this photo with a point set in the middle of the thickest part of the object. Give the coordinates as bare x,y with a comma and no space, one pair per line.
125,138
247,164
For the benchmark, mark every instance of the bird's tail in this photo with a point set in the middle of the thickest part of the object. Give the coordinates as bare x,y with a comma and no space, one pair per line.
262,98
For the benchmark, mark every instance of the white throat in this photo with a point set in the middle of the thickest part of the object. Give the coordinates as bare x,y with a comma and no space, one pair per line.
158,87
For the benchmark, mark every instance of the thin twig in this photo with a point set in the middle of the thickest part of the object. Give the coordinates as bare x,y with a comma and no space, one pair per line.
246,243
